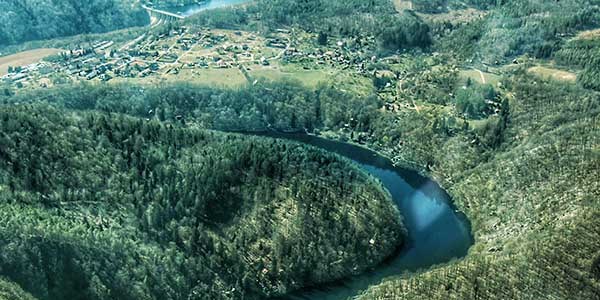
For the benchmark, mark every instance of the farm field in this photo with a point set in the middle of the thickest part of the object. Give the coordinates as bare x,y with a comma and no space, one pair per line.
24,58
553,73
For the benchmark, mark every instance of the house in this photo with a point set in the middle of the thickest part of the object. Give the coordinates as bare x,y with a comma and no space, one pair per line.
105,77
19,77
91,75
145,73
105,45
264,61
222,64
276,43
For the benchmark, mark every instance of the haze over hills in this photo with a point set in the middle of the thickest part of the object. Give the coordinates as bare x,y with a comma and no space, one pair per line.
130,169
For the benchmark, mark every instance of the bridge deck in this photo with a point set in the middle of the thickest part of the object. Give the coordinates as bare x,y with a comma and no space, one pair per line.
162,12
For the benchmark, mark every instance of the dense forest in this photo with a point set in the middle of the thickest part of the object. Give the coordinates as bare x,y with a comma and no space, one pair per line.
12,291
583,54
122,208
286,106
533,201
524,141
26,20
518,27
354,18
125,191
441,6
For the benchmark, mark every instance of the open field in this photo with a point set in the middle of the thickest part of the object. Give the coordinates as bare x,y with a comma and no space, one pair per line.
212,77
309,78
402,5
24,58
555,74
455,16
588,34
219,77
480,76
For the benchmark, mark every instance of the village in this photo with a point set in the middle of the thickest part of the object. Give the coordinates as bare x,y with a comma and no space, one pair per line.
193,51
227,58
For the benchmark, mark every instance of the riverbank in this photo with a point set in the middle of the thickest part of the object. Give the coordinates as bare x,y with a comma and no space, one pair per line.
437,232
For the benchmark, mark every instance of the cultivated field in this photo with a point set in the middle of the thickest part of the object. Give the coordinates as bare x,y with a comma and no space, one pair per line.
402,5
588,34
24,58
232,78
555,74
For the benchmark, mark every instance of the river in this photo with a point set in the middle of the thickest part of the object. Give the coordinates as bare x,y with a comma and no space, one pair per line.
191,9
437,232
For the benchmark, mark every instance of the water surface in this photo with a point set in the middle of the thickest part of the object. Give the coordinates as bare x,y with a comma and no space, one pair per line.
192,9
437,232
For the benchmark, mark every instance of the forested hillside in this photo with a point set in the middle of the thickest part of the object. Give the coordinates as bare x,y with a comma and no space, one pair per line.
11,291
519,26
533,201
26,20
124,190
103,206
440,6
546,148
354,18
584,54
286,106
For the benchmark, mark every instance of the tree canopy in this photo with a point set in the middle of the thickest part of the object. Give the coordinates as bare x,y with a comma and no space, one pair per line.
123,208
26,20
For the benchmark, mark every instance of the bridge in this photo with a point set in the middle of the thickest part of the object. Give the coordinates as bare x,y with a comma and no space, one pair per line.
158,16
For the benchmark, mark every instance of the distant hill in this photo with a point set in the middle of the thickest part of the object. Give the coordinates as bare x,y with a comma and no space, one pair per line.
27,20
121,208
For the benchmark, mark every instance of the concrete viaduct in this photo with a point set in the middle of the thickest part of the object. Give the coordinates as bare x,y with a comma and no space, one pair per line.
158,16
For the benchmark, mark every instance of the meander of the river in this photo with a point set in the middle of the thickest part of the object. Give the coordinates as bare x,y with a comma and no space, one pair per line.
437,232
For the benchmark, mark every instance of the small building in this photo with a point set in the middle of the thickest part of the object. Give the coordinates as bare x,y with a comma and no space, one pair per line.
105,77
222,64
91,75
264,61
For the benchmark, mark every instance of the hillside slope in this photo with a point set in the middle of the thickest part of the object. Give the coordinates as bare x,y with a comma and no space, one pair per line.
533,203
27,20
102,206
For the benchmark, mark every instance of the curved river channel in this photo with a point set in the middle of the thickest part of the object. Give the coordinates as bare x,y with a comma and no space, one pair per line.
437,232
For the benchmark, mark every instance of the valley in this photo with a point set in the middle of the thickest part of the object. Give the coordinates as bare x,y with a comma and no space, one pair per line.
306,150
